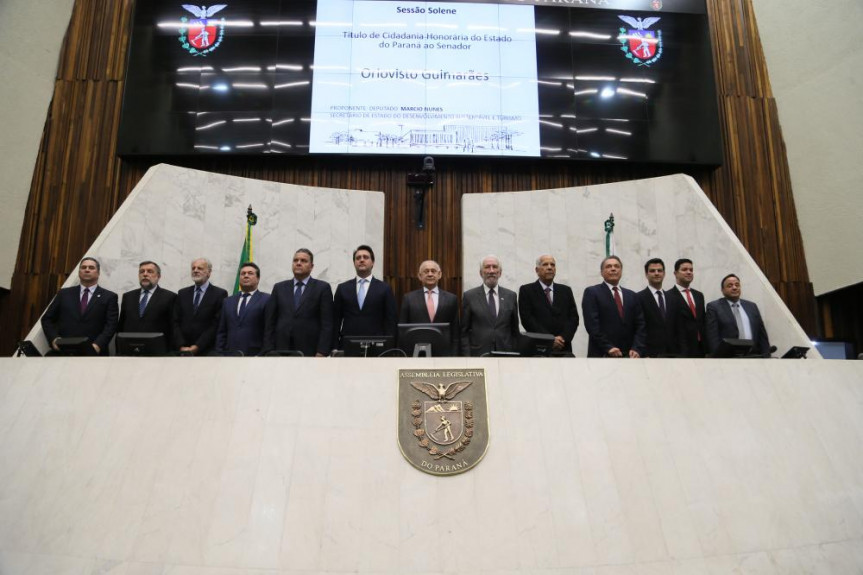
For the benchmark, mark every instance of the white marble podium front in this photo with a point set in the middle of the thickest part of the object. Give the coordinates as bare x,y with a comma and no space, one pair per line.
223,466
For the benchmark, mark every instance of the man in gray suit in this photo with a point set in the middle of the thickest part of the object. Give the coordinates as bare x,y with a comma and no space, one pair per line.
489,317
430,304
732,317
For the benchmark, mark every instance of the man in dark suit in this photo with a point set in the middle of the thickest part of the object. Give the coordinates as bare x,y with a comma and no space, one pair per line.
688,311
363,305
197,311
86,310
732,317
489,316
299,314
548,307
613,316
149,308
241,323
658,312
430,304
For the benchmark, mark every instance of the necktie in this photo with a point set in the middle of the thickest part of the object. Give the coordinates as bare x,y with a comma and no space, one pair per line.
298,293
548,295
619,301
492,308
361,295
85,298
142,305
690,302
430,304
735,308
243,299
197,301
661,302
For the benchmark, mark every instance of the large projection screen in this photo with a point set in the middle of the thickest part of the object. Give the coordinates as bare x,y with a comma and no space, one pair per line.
613,80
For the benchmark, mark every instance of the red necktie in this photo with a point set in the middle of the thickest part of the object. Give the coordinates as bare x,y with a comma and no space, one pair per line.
692,308
618,301
691,303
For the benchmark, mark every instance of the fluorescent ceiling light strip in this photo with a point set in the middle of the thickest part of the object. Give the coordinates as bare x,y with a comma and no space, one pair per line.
595,36
213,125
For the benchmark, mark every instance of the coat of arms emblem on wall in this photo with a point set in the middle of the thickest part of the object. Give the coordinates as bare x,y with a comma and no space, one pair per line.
443,419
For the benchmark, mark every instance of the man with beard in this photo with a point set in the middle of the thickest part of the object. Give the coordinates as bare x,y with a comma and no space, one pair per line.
489,317
150,308
197,311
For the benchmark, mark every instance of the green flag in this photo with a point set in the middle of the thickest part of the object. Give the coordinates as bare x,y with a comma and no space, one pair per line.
248,254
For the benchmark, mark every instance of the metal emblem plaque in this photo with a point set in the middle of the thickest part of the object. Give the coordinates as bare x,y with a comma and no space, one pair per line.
443,419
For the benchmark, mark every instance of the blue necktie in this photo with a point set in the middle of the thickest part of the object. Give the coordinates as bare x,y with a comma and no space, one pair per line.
361,295
142,305
197,301
243,299
298,293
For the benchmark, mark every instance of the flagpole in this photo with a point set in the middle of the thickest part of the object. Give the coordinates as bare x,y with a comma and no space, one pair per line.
609,236
248,253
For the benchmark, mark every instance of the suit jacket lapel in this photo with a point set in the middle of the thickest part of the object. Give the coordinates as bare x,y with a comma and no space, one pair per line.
626,303
307,292
371,287
420,304
76,298
609,298
483,301
444,304
728,316
502,306
155,296
253,301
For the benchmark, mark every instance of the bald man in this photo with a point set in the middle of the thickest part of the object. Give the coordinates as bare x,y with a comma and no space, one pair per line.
546,306
430,304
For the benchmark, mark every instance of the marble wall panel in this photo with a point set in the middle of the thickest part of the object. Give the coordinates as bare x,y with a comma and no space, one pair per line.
177,214
668,217
288,466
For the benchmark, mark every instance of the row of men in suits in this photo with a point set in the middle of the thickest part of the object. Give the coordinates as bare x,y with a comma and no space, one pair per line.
490,312
303,314
673,323
619,322
674,318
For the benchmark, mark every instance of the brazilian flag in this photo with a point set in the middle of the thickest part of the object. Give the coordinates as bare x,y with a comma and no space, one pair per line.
248,254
